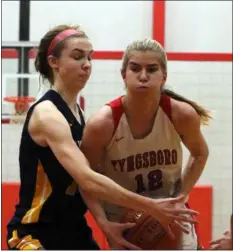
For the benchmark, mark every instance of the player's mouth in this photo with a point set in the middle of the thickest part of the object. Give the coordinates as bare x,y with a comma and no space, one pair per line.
143,87
84,76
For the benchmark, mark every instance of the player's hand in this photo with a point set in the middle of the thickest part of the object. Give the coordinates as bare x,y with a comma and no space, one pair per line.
114,233
185,226
172,211
223,243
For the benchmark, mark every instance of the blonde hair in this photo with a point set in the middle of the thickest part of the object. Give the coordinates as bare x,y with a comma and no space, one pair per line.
155,46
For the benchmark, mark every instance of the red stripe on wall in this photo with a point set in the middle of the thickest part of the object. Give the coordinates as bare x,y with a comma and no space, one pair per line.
5,121
188,56
9,53
117,55
158,19
104,55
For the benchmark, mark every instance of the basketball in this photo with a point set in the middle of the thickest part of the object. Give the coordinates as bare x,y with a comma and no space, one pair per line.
148,233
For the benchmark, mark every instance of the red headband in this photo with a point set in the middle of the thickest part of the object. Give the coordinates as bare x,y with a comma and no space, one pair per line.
60,37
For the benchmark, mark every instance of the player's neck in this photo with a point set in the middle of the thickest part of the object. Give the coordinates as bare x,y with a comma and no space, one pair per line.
141,106
69,96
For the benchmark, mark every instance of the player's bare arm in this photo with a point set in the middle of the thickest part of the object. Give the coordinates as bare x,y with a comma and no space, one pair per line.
94,143
187,123
93,146
54,131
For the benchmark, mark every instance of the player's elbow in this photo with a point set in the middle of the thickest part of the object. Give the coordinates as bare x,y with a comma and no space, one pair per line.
202,157
205,153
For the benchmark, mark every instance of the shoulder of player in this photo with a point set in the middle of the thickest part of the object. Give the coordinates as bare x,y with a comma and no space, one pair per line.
46,113
183,113
101,122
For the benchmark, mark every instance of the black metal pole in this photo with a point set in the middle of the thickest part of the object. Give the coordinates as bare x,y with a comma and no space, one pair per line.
24,30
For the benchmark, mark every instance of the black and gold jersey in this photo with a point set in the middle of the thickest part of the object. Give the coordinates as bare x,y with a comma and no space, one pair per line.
48,194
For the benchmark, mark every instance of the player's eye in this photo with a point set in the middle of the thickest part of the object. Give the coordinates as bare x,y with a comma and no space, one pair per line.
78,57
152,69
135,68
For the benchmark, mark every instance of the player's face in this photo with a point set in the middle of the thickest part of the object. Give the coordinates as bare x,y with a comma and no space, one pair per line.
74,63
144,73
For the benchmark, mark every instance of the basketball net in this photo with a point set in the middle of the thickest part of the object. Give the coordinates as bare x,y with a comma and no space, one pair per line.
21,105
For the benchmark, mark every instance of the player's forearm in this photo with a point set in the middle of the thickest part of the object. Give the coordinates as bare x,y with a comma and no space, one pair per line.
95,208
101,187
192,173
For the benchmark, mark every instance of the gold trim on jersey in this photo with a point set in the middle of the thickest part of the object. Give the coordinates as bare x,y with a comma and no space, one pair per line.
26,243
42,192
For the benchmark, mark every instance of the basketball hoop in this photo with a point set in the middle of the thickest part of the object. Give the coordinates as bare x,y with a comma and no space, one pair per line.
21,104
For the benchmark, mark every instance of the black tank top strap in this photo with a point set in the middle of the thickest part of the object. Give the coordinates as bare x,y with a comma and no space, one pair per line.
81,116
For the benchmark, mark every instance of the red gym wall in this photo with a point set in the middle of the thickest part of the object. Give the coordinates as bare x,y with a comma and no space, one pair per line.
200,200
200,197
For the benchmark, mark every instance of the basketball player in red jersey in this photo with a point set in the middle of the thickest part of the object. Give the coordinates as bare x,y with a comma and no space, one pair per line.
50,213
136,140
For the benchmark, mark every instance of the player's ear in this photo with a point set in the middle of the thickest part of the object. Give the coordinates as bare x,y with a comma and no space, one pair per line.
53,62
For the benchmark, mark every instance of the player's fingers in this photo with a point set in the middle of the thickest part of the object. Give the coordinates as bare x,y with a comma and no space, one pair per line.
214,247
182,211
176,216
127,225
213,242
226,232
185,219
183,228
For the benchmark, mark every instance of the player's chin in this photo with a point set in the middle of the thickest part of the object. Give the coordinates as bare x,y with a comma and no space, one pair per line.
81,84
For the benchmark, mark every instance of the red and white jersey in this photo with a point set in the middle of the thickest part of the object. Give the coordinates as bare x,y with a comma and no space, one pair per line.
150,166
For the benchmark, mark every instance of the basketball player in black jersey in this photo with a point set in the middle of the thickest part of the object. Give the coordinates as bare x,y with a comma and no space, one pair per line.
50,212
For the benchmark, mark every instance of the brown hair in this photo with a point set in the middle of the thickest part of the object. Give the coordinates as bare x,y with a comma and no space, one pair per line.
41,62
152,45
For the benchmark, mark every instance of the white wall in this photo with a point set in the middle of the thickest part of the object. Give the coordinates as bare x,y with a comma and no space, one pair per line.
190,27
104,21
10,20
198,26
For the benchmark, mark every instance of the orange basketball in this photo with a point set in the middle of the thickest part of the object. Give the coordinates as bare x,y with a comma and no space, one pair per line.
148,233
